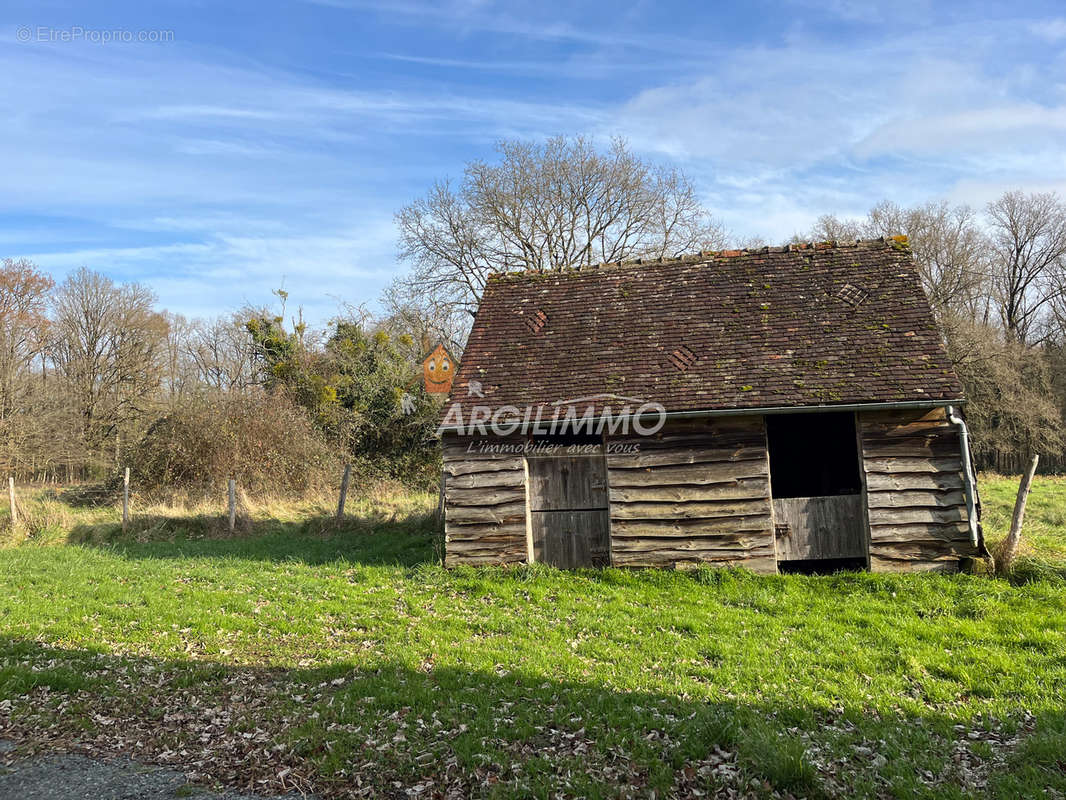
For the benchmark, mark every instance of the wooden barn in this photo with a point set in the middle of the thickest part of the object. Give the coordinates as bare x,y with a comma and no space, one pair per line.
777,409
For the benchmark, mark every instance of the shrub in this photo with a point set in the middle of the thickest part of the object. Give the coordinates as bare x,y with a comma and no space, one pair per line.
262,440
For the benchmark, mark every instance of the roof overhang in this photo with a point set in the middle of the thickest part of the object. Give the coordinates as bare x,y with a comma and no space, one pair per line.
764,410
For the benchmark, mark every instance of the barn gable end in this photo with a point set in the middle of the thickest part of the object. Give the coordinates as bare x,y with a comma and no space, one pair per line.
915,484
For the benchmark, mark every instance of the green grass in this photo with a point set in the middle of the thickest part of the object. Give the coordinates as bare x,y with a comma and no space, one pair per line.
1045,518
347,660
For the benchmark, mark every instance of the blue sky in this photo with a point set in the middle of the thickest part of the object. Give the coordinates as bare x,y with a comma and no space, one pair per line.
271,143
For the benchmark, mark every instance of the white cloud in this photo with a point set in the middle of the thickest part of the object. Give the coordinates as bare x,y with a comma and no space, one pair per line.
994,130
226,271
781,135
199,172
1053,30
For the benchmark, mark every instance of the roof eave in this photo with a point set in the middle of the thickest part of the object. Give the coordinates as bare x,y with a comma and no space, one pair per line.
897,405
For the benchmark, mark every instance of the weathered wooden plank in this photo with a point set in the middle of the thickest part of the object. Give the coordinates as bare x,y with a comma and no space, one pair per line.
684,455
485,532
910,516
929,537
820,527
906,428
688,509
919,551
689,527
903,416
482,546
727,440
897,465
747,489
487,496
878,564
882,529
717,426
510,512
490,454
709,544
470,547
939,447
475,444
939,481
478,480
483,466
693,475
471,528
495,558
763,565
916,498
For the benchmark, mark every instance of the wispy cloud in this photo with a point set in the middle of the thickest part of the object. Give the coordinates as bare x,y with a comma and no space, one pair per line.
1054,30
216,166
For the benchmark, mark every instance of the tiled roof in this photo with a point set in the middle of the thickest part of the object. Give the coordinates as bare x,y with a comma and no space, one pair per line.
803,325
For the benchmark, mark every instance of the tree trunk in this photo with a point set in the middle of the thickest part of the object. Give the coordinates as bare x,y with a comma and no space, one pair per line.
1009,550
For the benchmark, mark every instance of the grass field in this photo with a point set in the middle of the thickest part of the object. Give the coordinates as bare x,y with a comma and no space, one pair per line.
348,662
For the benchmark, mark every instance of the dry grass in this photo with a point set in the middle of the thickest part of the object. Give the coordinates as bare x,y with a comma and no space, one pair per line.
84,515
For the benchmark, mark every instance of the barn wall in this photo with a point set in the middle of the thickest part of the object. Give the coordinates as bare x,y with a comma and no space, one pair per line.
697,492
485,505
914,483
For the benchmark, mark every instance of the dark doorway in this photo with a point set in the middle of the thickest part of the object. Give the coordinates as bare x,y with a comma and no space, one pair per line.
816,486
813,455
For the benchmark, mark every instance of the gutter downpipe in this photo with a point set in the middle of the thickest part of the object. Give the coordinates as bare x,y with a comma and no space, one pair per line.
967,473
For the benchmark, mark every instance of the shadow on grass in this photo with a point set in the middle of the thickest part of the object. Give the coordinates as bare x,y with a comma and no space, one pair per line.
370,540
389,727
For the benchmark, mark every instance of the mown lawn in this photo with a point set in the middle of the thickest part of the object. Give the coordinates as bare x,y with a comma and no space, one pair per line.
347,662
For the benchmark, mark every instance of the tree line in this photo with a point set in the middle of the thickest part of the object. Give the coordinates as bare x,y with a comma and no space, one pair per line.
996,279
93,374
995,276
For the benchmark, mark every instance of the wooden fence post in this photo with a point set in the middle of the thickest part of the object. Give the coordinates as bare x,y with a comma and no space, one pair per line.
126,500
232,505
344,491
11,499
1009,549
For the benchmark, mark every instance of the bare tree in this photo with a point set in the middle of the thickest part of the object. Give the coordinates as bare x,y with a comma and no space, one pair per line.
548,207
831,228
950,249
1028,233
425,317
222,353
23,328
108,345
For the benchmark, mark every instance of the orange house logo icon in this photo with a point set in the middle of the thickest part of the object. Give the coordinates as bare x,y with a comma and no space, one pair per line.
438,370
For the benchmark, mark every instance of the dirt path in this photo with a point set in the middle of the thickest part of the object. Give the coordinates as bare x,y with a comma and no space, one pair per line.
70,777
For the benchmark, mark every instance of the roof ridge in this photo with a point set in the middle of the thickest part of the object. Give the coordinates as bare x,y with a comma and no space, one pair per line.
896,242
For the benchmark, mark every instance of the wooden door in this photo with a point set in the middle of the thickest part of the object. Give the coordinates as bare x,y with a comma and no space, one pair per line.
811,528
568,509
